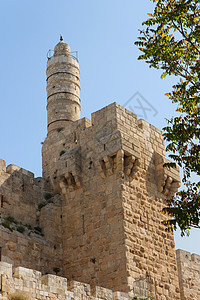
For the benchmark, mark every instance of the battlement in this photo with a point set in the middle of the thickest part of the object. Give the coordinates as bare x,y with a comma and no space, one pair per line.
34,285
21,192
189,270
114,134
10,169
105,123
29,211
187,257
14,171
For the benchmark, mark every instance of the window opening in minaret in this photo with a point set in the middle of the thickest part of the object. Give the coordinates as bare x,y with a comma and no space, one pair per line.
1,201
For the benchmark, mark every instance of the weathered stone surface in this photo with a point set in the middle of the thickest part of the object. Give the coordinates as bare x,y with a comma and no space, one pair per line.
189,274
33,285
117,203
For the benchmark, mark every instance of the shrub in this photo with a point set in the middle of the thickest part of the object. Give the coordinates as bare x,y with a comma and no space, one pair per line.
93,260
56,270
11,219
20,229
28,226
62,152
47,196
17,297
41,205
6,224
37,230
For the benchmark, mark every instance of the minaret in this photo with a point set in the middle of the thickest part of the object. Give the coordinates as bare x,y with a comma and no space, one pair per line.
63,88
63,104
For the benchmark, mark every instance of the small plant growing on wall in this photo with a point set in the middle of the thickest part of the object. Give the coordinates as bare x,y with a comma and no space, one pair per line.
20,228
47,196
28,226
56,270
17,297
62,152
11,219
7,225
93,260
41,205
37,229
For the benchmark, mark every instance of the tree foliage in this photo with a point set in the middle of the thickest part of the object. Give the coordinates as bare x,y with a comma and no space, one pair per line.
170,41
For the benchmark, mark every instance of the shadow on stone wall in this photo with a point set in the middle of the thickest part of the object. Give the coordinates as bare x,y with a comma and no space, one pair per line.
29,211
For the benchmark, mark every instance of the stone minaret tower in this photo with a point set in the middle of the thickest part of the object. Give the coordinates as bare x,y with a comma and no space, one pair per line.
63,89
63,102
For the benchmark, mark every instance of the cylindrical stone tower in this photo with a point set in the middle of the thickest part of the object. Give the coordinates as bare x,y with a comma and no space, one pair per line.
63,88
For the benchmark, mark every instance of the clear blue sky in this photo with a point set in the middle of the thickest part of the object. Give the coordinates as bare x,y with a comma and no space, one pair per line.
103,32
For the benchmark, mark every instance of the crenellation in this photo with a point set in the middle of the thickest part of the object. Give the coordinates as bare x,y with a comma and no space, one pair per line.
10,169
22,239
22,193
36,286
189,271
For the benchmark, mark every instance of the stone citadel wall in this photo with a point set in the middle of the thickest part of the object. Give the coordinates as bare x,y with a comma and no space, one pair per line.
95,215
28,214
33,285
189,274
99,208
111,176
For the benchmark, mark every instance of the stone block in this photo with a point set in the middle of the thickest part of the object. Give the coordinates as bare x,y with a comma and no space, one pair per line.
55,281
6,268
121,296
79,288
102,293
13,168
29,274
2,166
